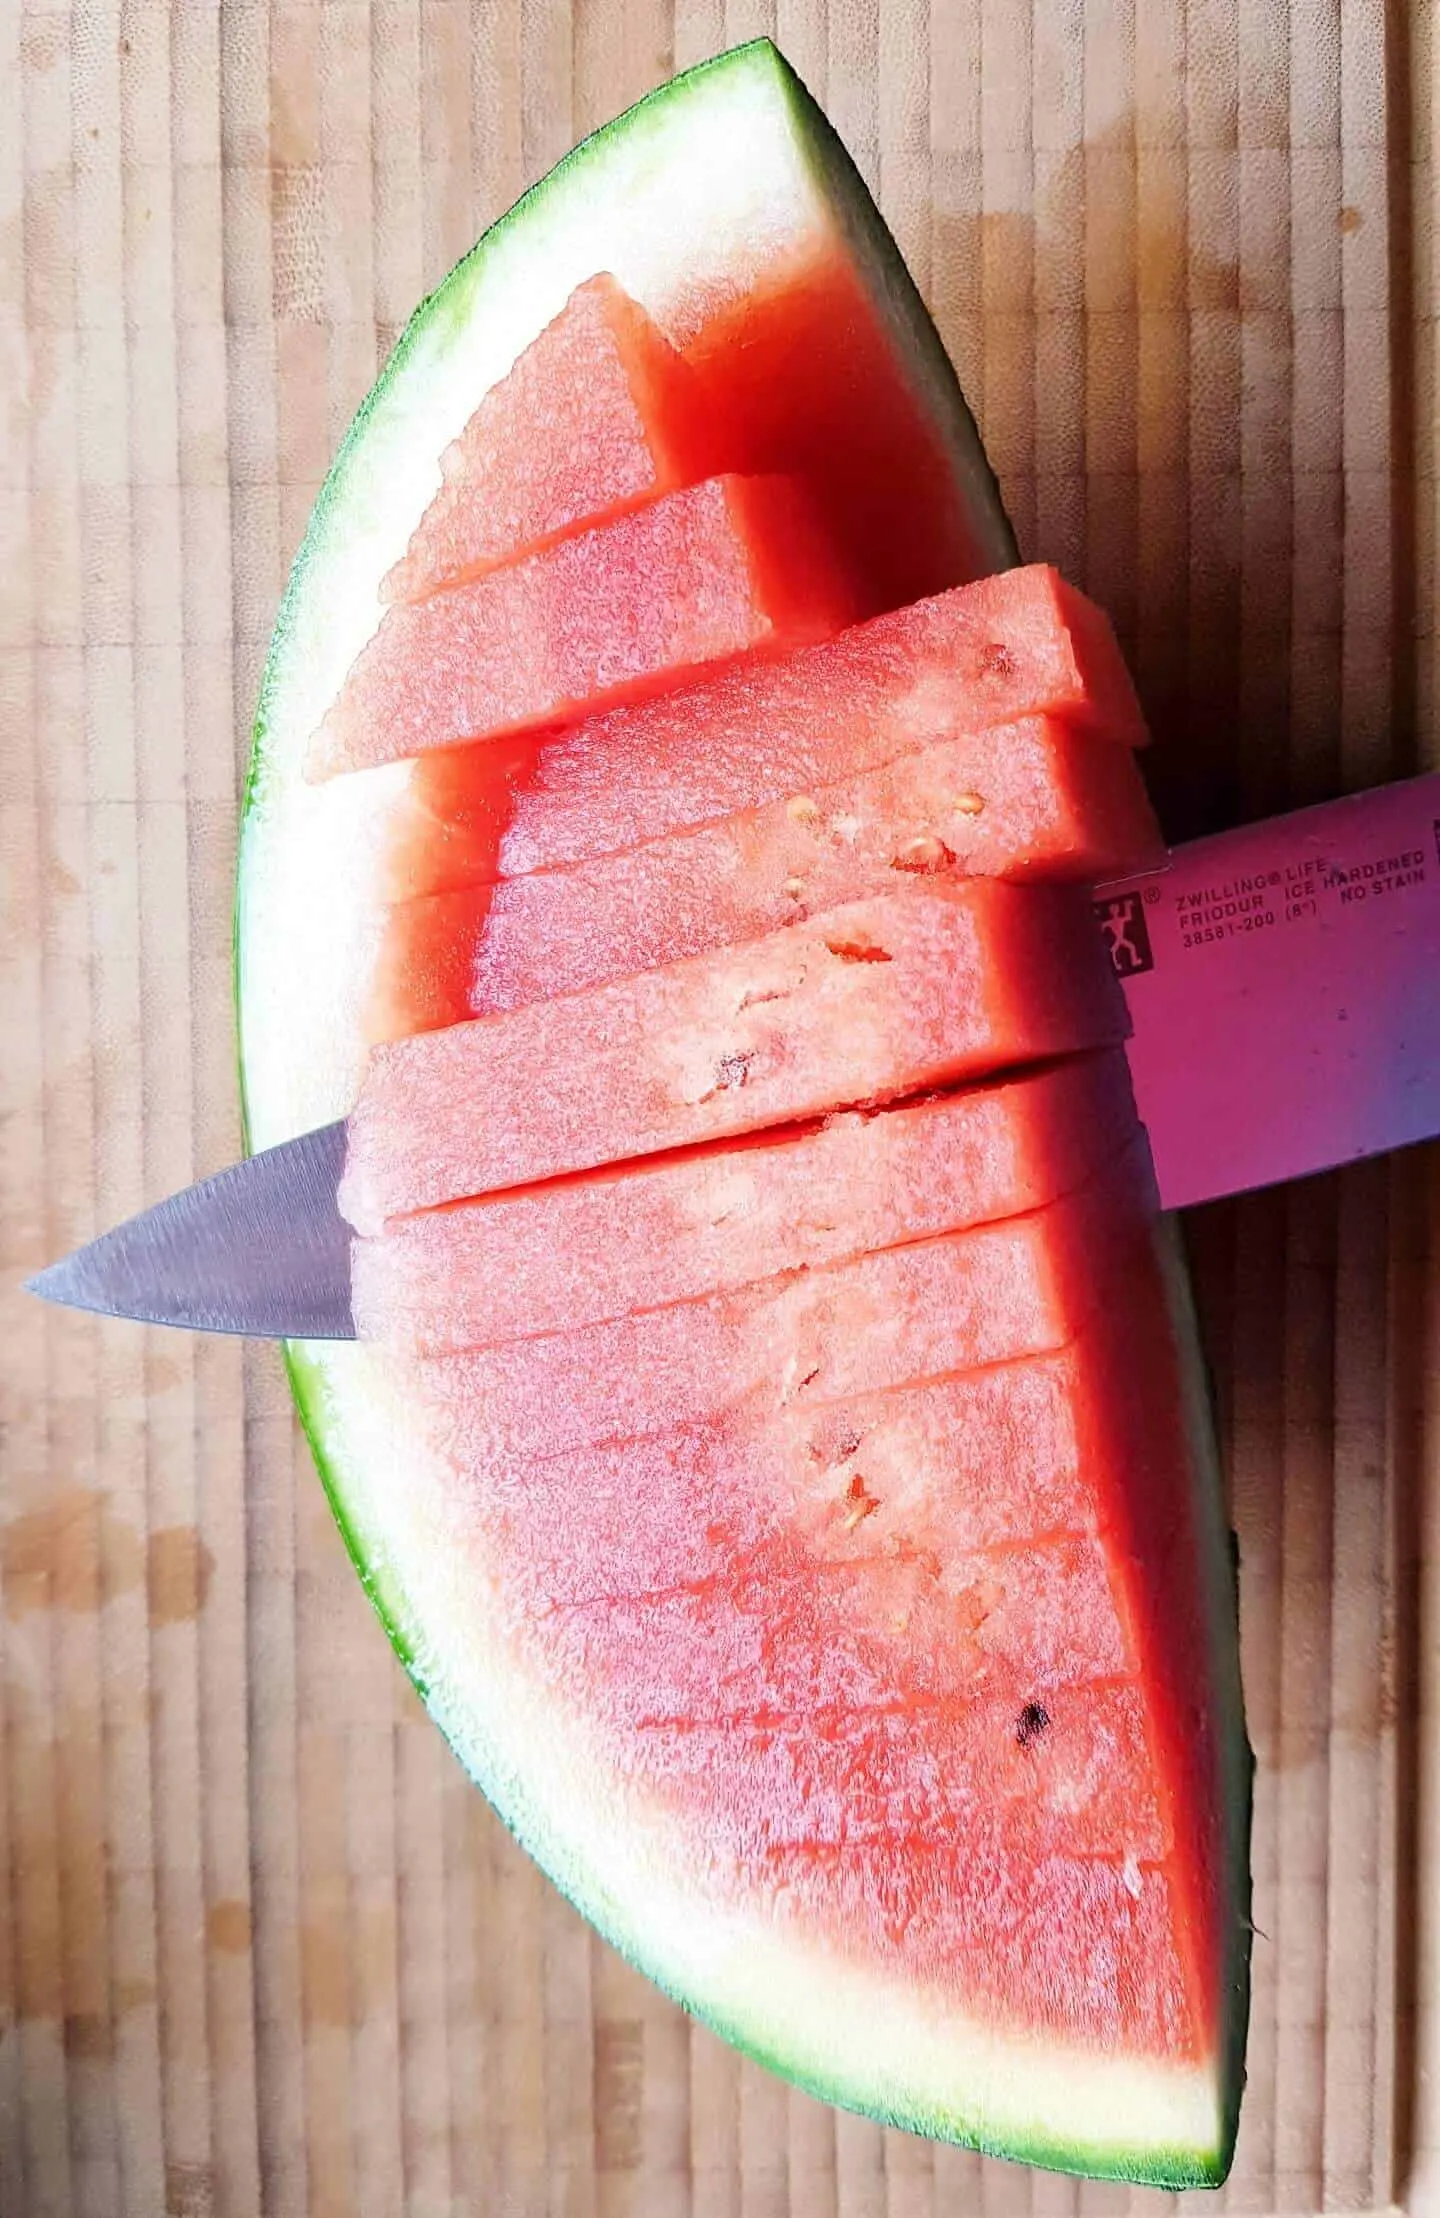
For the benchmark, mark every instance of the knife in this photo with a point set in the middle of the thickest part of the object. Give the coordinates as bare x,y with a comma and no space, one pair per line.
1283,983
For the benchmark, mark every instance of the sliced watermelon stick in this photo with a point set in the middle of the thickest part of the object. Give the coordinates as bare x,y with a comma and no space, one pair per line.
609,1242
971,1460
708,572
1021,644
1039,1616
990,1457
915,988
1080,1783
1019,1287
1030,800
598,414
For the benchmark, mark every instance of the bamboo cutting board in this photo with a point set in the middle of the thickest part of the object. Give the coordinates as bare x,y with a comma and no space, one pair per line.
261,1949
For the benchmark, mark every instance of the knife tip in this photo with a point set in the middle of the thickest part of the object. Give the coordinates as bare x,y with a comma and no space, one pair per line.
57,1283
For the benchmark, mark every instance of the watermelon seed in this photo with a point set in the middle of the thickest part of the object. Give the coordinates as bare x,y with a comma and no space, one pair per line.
926,854
858,951
968,804
862,1503
731,1071
801,809
1033,1721
973,1605
794,888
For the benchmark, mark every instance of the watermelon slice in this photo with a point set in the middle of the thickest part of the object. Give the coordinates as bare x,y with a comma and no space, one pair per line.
952,1301
1002,1452
1028,1515
726,207
700,575
581,1250
877,1779
914,988
621,420
1023,644
1049,803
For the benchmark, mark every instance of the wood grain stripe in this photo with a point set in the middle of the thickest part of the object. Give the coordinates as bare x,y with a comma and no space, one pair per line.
98,740
37,2162
253,189
1421,2114
430,2093
1356,1945
74,1467
470,1840
210,796
1419,2106
42,2156
22,1168
271,1457
164,1044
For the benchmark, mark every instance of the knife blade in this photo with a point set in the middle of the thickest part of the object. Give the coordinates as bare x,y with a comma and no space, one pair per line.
1283,982
260,1248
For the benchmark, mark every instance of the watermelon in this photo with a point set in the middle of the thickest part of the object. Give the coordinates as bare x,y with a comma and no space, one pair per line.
912,988
580,1250
1032,799
697,576
948,1828
622,419
1022,644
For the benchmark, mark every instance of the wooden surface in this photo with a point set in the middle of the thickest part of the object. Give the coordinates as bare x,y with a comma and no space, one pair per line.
261,1949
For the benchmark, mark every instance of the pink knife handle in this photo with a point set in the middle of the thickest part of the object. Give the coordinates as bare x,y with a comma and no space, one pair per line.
1284,986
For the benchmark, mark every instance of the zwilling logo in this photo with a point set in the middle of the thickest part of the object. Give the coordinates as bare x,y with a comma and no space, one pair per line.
1127,934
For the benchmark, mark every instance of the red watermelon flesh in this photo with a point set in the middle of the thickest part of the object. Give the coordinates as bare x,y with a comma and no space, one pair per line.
944,1640
1020,644
597,415
708,572
941,1446
1085,1774
849,423
951,1302
911,989
1057,804
580,1250
785,1714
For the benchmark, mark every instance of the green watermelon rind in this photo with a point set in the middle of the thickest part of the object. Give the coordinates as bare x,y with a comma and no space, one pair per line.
305,663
